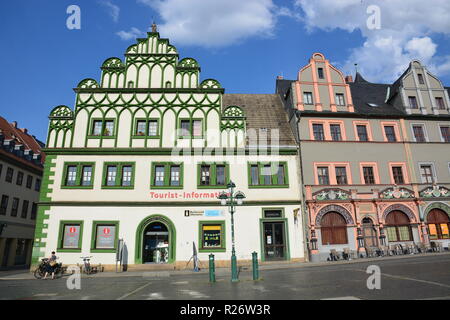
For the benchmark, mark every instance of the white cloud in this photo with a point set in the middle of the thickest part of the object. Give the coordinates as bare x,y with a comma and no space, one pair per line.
130,35
406,33
113,10
215,23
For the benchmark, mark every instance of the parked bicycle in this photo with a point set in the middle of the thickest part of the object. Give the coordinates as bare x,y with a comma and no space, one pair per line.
87,265
40,271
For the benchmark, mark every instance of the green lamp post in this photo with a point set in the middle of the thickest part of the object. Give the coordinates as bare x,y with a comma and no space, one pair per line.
232,199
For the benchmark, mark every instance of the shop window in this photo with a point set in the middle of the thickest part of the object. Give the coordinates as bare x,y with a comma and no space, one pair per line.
104,235
438,224
212,236
398,227
70,236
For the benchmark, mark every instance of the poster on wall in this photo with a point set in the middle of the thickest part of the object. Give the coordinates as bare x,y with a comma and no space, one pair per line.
106,236
71,236
212,236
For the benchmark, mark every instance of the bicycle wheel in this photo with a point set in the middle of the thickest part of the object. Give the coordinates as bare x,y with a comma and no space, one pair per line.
38,274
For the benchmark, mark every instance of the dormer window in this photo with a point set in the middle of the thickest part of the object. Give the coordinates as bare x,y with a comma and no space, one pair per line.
420,76
413,103
320,73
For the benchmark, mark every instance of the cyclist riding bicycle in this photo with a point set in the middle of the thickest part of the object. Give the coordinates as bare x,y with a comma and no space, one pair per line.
50,267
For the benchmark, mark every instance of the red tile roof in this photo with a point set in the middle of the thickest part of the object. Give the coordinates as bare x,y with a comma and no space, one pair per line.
20,136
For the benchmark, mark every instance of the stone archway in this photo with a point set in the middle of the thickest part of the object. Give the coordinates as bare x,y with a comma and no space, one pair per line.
344,212
140,237
436,205
402,208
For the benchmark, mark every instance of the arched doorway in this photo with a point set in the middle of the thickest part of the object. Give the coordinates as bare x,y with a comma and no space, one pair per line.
155,240
398,227
156,243
369,233
438,224
333,229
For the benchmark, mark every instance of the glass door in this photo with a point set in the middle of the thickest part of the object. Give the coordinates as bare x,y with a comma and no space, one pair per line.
274,241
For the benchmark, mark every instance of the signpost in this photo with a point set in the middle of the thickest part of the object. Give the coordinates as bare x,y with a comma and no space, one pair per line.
119,253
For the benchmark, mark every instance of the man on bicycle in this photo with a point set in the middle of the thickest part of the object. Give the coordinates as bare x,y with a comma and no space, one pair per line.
50,267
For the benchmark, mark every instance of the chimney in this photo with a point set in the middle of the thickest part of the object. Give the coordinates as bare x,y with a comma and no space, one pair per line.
348,79
280,77
24,130
14,124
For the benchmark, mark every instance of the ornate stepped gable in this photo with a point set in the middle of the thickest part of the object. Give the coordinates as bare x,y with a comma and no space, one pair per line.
151,83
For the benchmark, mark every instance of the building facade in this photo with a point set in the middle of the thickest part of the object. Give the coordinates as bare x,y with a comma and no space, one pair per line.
21,167
143,157
375,158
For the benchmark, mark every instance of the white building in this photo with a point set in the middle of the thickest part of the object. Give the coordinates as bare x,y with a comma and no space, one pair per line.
143,157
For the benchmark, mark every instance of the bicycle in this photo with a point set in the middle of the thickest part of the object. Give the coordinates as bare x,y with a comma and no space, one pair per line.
87,265
40,271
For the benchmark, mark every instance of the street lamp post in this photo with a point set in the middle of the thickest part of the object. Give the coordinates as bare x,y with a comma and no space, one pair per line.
232,199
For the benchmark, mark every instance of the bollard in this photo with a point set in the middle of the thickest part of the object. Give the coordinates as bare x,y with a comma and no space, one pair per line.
212,269
255,266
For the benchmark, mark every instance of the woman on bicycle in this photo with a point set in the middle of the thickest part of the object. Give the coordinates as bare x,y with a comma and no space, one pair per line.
50,267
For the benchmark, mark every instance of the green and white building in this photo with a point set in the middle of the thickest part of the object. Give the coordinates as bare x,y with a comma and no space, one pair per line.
143,156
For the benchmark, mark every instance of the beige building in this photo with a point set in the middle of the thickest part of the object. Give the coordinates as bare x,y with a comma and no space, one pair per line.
21,167
375,158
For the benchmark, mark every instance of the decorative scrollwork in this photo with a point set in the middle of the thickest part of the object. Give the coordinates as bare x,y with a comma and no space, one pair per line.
88,84
61,112
396,193
188,63
332,194
210,84
233,112
113,63
435,192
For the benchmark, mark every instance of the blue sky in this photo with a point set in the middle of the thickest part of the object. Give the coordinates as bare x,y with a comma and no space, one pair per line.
243,46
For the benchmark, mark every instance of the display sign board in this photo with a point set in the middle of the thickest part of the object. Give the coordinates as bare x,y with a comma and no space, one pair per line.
106,236
212,236
71,236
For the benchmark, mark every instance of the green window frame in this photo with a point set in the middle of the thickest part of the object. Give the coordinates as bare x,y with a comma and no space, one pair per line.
123,178
190,134
104,128
212,223
213,175
62,225
95,225
166,178
79,175
145,134
258,180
